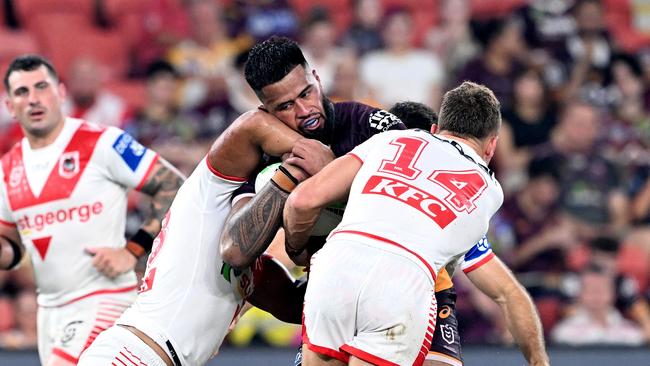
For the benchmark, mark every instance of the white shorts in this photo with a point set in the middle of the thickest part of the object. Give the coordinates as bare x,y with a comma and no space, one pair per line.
363,301
118,346
67,330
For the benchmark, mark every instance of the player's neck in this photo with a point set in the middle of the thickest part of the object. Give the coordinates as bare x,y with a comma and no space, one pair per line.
39,142
475,145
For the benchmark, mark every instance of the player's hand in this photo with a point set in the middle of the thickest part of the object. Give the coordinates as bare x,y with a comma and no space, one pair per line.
112,262
310,155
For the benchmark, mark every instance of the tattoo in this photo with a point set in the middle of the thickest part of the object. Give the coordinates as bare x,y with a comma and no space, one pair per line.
162,187
252,228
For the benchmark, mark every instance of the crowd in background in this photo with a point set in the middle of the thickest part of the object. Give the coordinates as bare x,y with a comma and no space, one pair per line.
572,76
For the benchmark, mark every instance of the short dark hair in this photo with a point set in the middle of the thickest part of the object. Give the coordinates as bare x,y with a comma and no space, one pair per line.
161,67
415,115
544,167
29,63
605,244
270,61
470,111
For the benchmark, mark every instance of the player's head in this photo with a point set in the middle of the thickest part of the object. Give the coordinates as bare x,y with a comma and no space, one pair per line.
472,112
415,115
277,71
34,95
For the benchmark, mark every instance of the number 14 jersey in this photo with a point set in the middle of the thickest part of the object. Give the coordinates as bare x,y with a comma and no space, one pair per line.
428,195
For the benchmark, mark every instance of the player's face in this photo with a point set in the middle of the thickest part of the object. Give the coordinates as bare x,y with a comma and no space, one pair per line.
34,100
297,100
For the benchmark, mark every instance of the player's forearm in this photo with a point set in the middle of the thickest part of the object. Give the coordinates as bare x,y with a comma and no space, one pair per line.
525,325
249,231
300,216
161,187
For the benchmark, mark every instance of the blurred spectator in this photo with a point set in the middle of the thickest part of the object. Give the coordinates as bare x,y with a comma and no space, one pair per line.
346,85
240,94
364,34
503,46
580,65
318,37
595,320
547,24
605,253
529,231
164,23
526,123
88,99
452,38
274,332
628,134
261,19
401,72
592,193
204,58
23,335
160,124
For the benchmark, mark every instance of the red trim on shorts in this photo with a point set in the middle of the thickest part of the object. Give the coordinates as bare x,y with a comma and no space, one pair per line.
355,156
7,223
380,238
341,356
146,175
479,263
221,175
102,292
375,360
428,334
64,355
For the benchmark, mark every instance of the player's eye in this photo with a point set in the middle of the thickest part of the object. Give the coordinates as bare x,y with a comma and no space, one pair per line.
42,85
20,92
284,107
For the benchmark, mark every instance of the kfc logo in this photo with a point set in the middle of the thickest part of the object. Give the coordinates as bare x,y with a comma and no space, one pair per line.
422,201
69,164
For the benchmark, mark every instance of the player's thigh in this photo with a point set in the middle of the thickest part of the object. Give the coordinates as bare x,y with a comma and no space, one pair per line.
311,358
336,276
118,346
396,315
75,326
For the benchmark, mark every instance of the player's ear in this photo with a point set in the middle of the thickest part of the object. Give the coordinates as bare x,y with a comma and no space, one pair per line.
63,92
434,128
490,147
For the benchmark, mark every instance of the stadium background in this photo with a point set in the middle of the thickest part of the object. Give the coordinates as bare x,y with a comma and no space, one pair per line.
538,56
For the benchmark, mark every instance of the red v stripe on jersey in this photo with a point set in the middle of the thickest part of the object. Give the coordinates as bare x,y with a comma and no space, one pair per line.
42,245
57,186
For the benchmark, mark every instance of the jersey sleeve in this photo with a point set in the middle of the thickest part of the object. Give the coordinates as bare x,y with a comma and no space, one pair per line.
361,151
480,254
127,161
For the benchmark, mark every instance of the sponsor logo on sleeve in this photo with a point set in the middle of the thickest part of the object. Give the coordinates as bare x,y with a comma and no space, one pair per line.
382,120
478,250
130,150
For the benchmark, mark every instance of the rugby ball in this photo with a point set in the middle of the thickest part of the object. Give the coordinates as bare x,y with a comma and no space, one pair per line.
329,217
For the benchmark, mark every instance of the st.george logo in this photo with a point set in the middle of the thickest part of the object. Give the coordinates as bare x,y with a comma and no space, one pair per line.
69,164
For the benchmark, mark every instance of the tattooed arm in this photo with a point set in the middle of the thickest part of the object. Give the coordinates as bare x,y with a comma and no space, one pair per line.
161,185
249,230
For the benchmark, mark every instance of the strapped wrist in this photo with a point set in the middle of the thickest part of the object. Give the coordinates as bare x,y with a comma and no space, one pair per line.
17,252
140,243
284,180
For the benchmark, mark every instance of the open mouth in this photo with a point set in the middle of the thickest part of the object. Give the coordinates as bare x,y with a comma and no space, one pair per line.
37,114
311,124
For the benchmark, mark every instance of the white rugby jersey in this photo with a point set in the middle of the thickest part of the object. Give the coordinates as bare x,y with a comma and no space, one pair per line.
189,296
70,195
425,195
